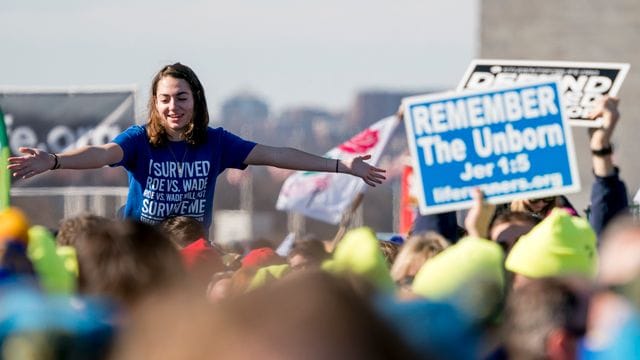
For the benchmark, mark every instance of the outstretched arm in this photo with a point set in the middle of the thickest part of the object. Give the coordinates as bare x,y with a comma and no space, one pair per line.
289,158
36,161
601,137
608,193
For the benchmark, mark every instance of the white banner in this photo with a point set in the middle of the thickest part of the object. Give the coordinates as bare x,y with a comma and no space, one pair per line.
325,196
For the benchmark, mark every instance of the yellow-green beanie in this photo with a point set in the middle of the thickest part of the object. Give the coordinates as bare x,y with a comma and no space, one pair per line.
469,274
266,274
466,261
359,253
561,245
69,258
54,277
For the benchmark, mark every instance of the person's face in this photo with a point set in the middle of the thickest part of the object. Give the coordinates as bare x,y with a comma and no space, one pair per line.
298,262
174,103
496,230
220,290
520,280
506,234
538,205
416,265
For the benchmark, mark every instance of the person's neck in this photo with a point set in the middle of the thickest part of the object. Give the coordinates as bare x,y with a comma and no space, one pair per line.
175,136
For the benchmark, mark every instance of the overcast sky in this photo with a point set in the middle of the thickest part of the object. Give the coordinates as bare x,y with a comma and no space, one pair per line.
291,52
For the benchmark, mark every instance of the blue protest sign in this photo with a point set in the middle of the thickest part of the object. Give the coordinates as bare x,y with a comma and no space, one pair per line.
512,143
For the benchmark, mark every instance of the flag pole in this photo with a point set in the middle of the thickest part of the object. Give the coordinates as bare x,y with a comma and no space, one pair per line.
347,216
5,176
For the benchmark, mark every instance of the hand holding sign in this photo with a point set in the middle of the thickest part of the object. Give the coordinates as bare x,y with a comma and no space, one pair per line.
607,108
479,216
600,142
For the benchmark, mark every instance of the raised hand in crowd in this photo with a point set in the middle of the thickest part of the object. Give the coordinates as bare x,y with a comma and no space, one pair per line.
608,193
600,142
479,216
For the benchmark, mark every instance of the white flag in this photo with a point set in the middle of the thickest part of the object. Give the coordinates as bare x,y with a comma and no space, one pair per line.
325,196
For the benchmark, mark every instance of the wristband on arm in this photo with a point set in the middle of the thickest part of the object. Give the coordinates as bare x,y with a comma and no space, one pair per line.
56,164
607,150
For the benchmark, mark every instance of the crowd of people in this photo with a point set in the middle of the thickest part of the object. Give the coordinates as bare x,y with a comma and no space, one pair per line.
526,280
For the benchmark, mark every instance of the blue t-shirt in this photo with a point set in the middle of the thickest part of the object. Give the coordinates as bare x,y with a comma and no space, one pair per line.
177,179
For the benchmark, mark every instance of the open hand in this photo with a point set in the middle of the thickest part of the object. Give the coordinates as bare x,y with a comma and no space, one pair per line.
34,162
357,166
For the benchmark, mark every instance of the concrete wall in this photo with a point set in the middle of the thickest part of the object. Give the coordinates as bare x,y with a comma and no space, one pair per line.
575,30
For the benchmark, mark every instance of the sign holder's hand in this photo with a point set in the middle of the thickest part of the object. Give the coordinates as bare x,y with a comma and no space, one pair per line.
479,216
600,141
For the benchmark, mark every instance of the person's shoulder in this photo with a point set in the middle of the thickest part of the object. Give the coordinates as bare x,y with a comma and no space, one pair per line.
218,132
215,130
136,130
132,133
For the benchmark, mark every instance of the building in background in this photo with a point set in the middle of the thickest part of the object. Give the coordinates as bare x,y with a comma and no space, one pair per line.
243,111
61,119
574,30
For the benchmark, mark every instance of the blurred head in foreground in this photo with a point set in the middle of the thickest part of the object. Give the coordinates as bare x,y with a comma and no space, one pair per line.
309,315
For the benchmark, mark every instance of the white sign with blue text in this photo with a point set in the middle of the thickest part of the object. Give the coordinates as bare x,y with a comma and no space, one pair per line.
511,142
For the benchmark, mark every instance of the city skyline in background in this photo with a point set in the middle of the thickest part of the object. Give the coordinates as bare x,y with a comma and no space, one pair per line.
316,54
311,75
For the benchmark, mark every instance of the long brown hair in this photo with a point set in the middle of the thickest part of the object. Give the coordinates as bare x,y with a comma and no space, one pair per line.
197,127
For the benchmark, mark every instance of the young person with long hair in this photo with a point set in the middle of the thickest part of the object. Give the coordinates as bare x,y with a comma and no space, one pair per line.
173,161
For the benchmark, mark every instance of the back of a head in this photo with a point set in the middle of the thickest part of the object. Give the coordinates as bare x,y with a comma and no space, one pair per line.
338,322
126,262
310,315
390,251
415,251
619,261
73,227
307,253
183,230
539,309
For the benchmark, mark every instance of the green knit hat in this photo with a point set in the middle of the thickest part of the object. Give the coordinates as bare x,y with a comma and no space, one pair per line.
53,276
359,253
469,260
468,274
267,274
561,245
